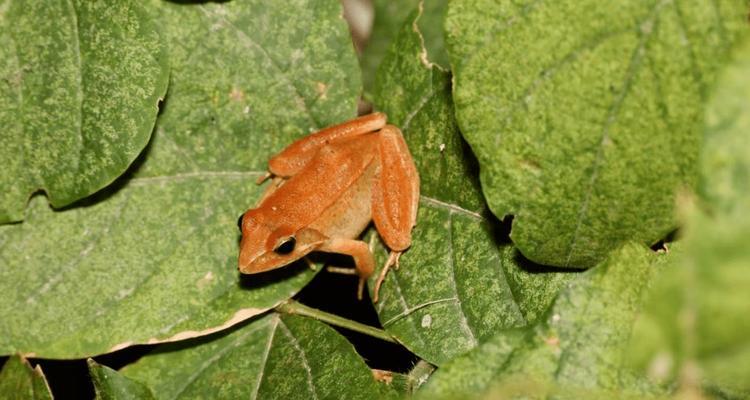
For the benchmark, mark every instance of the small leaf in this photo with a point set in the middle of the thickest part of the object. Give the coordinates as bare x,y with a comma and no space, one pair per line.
19,381
154,258
586,115
271,357
457,283
575,351
79,86
111,385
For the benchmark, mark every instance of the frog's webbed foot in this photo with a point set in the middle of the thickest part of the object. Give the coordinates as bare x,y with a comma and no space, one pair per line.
391,262
364,263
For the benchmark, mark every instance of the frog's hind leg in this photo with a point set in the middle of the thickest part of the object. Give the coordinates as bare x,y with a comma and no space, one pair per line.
395,197
293,158
364,263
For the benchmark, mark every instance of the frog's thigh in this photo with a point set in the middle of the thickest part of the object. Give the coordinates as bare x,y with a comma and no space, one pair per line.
293,158
395,192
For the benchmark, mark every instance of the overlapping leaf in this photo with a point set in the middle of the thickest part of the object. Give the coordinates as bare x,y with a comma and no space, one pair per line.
696,317
79,86
111,385
586,115
273,357
19,381
577,351
388,19
154,257
457,283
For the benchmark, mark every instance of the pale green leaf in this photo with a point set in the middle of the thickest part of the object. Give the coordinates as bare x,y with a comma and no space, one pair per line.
80,82
19,381
697,315
458,283
586,116
273,357
725,158
155,257
577,351
111,385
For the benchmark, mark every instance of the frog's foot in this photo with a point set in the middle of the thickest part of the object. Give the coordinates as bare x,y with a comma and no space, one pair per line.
392,262
310,264
350,271
263,178
363,261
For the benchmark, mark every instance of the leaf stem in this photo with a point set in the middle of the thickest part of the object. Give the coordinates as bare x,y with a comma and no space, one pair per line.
295,308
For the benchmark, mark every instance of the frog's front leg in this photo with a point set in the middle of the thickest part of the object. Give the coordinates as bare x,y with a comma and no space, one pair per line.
395,197
364,263
295,156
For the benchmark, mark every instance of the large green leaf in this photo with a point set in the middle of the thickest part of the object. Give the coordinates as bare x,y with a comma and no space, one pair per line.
458,283
576,351
79,86
586,116
696,317
19,381
111,385
154,258
274,357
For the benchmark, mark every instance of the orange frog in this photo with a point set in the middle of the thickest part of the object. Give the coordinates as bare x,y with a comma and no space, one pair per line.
327,187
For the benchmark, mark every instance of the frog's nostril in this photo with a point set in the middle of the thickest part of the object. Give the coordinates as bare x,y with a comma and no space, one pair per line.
239,222
286,246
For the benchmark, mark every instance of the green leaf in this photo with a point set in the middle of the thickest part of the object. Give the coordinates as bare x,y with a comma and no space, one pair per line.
19,381
576,351
725,157
111,385
155,257
389,17
271,357
586,115
458,283
695,319
79,86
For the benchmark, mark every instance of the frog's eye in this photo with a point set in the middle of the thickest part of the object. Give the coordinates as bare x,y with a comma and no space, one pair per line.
286,247
239,222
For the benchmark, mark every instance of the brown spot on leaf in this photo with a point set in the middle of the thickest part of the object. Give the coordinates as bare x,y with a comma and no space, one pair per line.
237,94
322,90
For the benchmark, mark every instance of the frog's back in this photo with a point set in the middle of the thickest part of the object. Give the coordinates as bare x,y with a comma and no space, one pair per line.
330,186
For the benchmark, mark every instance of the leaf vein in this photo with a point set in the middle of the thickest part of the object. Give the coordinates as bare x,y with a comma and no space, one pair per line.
633,66
412,323
266,352
305,361
75,262
217,356
79,85
465,327
148,180
451,207
416,308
